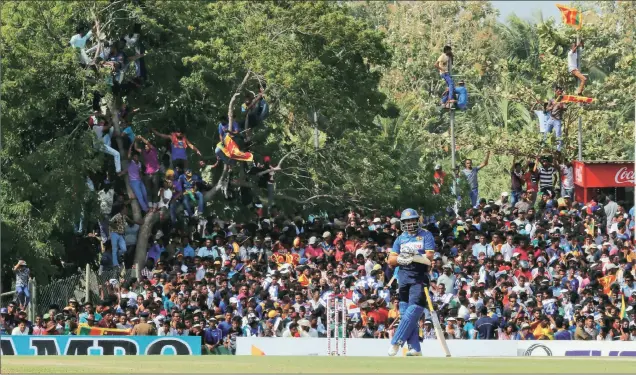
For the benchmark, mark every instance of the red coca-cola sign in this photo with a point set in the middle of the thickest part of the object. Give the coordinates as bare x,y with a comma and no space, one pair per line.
604,174
624,176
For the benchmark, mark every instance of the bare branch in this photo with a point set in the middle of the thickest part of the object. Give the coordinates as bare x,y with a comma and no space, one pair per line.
230,107
285,157
219,184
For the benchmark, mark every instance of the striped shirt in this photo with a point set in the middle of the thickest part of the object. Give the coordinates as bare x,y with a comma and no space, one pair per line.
546,177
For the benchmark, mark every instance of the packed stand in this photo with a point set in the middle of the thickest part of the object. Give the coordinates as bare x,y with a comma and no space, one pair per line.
534,264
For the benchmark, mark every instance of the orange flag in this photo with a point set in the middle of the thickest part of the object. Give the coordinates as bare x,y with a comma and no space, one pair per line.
571,16
576,99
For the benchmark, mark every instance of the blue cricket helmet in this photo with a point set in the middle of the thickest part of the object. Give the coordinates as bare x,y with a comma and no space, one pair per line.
409,214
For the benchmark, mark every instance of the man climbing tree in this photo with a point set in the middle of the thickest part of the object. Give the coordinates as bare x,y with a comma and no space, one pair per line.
178,145
443,64
555,109
573,66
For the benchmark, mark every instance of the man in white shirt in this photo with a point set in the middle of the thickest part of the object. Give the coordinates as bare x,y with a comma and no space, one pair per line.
508,248
567,180
573,66
79,41
20,330
102,142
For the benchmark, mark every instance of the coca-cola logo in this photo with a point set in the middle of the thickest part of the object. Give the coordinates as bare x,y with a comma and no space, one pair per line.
624,176
578,173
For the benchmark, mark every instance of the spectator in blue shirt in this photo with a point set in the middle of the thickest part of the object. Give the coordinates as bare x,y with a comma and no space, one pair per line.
486,326
225,128
462,96
212,337
226,325
483,247
187,250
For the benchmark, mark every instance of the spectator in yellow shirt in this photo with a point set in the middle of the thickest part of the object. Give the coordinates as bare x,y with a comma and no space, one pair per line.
541,329
394,313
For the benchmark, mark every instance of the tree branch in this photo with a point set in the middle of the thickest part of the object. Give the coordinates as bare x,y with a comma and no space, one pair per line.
219,184
230,107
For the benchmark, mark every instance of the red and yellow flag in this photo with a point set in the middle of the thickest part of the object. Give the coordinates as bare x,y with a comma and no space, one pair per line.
571,16
576,99
85,330
232,151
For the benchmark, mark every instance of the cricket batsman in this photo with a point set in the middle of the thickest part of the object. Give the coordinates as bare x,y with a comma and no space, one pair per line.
412,252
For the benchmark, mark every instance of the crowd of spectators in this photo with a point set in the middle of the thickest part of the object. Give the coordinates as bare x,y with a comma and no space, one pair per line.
545,274
534,267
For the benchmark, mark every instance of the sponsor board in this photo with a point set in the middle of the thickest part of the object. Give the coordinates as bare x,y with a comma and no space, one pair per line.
260,346
100,345
368,347
576,348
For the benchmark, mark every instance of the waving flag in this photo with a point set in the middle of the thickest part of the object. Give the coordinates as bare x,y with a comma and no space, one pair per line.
232,151
84,330
571,16
576,99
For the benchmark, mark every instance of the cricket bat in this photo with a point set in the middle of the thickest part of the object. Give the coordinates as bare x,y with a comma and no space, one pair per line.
437,325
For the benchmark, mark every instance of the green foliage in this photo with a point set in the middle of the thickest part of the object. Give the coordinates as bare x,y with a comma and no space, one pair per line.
360,75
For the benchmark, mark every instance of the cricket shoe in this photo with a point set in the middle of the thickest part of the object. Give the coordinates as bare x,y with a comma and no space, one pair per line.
393,350
413,353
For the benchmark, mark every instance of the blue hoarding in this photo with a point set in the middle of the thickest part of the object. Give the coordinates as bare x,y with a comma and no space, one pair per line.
100,345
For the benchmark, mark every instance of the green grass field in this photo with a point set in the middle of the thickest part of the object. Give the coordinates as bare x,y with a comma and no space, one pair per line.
246,364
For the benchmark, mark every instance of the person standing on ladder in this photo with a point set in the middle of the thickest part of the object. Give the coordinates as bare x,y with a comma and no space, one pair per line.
443,65
573,66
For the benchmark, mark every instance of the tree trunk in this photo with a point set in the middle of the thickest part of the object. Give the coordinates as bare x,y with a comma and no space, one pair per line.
141,249
112,107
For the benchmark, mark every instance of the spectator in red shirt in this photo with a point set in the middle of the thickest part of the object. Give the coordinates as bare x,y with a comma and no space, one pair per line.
313,251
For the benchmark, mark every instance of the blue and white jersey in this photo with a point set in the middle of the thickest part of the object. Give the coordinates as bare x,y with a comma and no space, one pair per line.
419,243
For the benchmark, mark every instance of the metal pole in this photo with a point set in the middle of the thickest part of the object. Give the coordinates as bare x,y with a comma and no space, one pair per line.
453,158
328,326
34,298
30,306
88,289
344,326
335,322
578,64
580,158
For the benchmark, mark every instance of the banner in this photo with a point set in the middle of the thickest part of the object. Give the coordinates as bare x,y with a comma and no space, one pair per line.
576,348
102,345
85,330
263,346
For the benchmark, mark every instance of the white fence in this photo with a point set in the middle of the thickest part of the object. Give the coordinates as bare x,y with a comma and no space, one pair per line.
431,348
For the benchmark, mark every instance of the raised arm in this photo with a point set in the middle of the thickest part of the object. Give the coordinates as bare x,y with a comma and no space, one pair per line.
485,163
192,146
145,141
132,144
160,135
